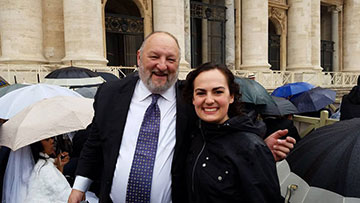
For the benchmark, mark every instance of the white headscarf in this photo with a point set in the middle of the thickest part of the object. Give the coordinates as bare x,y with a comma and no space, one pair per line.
17,174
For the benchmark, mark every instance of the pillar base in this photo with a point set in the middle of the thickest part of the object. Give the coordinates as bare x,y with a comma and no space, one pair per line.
23,60
85,61
350,70
255,67
303,68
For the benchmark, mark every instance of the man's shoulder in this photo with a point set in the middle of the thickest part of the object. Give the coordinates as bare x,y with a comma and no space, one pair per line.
118,85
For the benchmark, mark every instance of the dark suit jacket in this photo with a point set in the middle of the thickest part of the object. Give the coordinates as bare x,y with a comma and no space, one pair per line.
100,152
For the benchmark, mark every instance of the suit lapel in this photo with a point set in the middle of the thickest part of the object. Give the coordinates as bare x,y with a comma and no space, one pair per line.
122,101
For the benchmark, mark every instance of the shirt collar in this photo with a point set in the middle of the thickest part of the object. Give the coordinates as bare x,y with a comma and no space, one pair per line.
144,92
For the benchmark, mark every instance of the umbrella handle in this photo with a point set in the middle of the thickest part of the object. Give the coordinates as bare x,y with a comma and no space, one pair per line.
290,189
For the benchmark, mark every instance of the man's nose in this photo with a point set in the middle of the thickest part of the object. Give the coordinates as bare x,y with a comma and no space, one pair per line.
161,64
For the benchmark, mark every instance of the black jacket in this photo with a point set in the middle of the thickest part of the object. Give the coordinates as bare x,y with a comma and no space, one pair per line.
231,163
350,104
100,152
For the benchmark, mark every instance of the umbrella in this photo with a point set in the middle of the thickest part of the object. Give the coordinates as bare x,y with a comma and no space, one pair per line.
295,189
73,77
88,92
108,76
291,89
314,99
328,158
17,100
10,88
282,107
3,82
46,118
253,92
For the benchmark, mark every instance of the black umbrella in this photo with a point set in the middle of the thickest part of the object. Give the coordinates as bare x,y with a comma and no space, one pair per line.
314,99
74,77
329,158
72,72
108,76
281,107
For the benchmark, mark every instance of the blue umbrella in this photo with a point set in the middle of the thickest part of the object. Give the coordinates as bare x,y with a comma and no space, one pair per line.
314,99
3,82
291,89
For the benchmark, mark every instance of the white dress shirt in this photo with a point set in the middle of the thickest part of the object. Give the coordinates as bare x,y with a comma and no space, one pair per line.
161,181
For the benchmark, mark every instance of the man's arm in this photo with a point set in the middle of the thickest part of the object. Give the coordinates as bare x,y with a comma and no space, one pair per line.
88,164
81,185
76,196
280,148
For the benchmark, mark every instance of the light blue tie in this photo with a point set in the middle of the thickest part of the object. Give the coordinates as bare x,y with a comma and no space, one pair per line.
140,178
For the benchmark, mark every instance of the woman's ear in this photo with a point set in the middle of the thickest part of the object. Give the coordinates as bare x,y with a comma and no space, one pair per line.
231,99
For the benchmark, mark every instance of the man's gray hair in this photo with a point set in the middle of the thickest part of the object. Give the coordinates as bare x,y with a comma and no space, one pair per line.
157,32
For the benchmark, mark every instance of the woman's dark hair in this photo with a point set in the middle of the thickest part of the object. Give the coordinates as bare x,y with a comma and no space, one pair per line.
36,148
235,107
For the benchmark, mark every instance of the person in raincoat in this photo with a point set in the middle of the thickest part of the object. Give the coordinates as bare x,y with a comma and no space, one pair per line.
227,161
350,104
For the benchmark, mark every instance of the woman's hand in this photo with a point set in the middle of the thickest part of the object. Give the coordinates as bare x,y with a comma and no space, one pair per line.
62,159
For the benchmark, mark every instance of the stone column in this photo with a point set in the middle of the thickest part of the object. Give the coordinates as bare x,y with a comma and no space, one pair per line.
83,33
315,35
187,31
299,35
255,35
335,36
238,34
283,51
54,48
351,36
169,16
204,40
230,34
21,31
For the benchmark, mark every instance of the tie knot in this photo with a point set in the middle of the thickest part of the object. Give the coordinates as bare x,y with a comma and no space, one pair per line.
154,98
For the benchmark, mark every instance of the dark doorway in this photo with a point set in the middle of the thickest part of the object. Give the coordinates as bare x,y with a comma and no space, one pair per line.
274,47
214,15
124,32
327,50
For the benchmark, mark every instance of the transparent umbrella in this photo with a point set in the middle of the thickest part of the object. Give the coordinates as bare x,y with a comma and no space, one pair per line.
15,101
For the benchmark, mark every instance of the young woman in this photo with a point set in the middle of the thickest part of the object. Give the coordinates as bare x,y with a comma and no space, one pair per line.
47,183
227,161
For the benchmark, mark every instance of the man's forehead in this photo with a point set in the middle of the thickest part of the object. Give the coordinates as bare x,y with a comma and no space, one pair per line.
162,39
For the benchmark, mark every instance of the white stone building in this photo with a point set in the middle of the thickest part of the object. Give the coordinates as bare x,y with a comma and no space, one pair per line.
277,40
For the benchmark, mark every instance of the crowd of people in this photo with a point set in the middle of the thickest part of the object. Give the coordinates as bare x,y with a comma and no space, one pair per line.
155,138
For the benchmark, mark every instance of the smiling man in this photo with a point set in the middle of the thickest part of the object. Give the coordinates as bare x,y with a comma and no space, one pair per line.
121,142
140,134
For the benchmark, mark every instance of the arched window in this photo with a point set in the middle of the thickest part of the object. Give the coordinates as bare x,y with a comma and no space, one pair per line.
124,32
274,47
207,31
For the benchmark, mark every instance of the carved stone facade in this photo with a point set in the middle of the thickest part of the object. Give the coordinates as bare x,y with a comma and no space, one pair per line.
54,33
277,15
